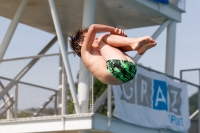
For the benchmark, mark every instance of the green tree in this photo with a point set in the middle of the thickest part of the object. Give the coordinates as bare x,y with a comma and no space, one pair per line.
193,103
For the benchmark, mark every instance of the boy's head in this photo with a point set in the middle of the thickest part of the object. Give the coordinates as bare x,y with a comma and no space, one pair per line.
76,39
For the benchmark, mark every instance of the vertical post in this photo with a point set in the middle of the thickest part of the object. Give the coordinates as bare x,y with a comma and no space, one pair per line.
170,48
109,101
10,110
64,53
66,92
55,103
109,105
92,90
199,105
181,76
84,75
88,12
60,85
16,101
63,109
12,27
66,83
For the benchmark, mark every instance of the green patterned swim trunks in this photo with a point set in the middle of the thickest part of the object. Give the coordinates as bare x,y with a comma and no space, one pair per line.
122,70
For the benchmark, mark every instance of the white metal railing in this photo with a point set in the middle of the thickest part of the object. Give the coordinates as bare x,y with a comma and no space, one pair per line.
60,107
178,3
8,104
12,105
94,106
195,114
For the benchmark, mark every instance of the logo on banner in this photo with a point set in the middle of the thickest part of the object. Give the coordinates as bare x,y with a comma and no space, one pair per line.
160,95
154,94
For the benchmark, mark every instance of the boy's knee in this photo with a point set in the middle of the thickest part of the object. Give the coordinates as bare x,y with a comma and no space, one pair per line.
103,36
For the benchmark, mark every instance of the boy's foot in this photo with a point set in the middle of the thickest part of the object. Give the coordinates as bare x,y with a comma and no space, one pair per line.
138,42
145,47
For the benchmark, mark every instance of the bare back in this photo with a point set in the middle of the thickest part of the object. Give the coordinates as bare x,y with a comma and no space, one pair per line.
97,67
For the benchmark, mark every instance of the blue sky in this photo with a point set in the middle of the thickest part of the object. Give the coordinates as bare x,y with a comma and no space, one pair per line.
29,41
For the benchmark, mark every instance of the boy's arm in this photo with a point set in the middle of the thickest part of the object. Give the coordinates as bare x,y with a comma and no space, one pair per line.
93,29
90,35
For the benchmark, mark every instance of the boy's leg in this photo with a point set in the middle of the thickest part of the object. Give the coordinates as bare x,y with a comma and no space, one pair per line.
128,44
108,52
117,62
145,47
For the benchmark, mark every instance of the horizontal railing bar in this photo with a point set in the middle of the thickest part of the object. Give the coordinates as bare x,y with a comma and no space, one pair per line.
30,57
198,86
36,56
42,87
190,69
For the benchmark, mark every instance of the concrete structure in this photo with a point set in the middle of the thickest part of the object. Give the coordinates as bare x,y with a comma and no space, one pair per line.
62,18
73,124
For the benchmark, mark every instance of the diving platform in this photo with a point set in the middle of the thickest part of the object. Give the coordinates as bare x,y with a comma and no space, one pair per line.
124,14
61,18
93,123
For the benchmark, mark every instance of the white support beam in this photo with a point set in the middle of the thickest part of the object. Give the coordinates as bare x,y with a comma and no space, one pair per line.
195,113
170,48
56,104
109,100
9,112
26,68
84,75
154,36
60,84
88,12
199,105
74,123
92,93
63,108
16,100
12,27
64,53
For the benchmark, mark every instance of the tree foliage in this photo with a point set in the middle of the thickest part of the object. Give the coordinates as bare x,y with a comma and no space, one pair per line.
193,103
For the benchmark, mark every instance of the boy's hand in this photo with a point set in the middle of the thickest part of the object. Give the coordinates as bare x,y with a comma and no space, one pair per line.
118,31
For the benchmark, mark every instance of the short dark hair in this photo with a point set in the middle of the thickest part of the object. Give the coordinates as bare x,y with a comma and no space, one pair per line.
77,38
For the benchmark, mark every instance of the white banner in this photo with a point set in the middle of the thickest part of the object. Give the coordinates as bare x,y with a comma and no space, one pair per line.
153,100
